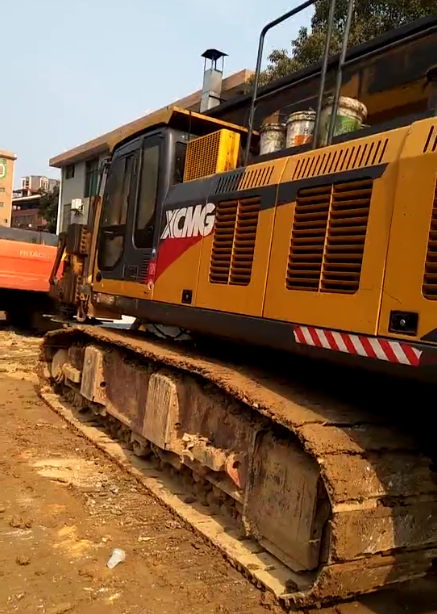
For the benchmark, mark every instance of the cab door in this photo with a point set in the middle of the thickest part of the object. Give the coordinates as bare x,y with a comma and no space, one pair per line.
128,225
118,199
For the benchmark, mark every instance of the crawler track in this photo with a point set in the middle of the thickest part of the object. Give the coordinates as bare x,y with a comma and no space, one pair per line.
321,500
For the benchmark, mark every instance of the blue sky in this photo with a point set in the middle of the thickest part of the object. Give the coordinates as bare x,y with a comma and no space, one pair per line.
81,68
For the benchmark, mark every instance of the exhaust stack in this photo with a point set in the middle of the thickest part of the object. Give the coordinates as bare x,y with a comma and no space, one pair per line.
212,79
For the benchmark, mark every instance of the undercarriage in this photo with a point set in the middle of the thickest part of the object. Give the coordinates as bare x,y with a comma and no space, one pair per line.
311,470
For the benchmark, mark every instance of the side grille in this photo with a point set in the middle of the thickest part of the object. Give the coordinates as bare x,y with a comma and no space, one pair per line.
344,248
328,237
201,157
214,153
239,180
342,159
429,287
308,238
144,268
229,183
233,246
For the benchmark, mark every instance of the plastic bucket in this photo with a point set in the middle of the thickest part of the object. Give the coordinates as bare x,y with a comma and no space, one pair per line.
272,138
351,114
300,128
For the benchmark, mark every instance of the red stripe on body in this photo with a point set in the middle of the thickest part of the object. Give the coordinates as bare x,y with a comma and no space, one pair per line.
386,346
299,335
368,347
331,340
388,350
170,250
315,337
348,343
411,355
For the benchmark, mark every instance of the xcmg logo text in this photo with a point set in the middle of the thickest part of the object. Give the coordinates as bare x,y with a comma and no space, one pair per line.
189,221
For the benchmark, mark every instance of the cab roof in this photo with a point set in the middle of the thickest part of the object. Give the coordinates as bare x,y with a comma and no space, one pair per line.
180,119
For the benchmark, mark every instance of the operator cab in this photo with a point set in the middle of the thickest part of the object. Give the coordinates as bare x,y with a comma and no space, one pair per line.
143,168
141,172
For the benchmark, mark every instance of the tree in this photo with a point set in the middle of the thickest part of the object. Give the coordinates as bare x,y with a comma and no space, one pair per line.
370,18
48,208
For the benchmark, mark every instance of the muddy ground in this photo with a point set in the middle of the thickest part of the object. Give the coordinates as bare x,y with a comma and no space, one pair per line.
64,506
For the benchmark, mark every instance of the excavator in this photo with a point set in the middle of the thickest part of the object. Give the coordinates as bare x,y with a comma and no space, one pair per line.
304,285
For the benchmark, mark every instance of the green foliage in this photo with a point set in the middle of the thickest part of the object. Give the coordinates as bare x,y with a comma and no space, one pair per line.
370,19
48,208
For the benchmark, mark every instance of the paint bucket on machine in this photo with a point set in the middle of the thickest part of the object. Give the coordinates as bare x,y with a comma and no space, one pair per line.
351,114
272,137
300,128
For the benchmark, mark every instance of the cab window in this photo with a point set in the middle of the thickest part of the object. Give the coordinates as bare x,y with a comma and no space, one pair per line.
147,196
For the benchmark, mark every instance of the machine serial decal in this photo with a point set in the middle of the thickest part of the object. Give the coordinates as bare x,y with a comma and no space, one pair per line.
189,222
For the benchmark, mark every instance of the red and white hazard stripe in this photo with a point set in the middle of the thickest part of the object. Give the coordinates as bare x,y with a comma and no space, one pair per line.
372,347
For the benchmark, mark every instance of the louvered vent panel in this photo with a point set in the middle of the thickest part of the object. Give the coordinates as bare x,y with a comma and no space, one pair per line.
244,241
347,228
247,179
234,240
429,288
229,182
256,177
328,237
308,238
346,158
144,269
224,229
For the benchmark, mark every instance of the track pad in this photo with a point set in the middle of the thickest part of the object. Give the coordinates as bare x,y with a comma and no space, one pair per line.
281,501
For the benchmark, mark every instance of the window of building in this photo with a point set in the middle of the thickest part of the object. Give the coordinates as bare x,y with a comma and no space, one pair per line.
69,171
91,177
2,190
145,222
2,204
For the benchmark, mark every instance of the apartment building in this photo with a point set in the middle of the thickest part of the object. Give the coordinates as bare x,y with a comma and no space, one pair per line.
7,164
80,166
32,184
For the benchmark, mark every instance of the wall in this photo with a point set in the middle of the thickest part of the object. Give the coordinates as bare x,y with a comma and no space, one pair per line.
7,163
72,188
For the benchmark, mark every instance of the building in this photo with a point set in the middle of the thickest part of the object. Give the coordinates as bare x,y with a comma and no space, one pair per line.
7,164
32,184
25,213
26,200
80,166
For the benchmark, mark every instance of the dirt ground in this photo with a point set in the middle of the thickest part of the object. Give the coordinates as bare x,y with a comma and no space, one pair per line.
64,506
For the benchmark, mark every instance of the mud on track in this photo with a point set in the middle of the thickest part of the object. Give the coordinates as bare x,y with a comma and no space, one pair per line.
382,490
79,505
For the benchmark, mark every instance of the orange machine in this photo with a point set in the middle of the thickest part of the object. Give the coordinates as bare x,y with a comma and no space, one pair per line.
26,259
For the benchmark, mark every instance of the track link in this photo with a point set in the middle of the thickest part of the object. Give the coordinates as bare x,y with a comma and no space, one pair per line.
331,501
